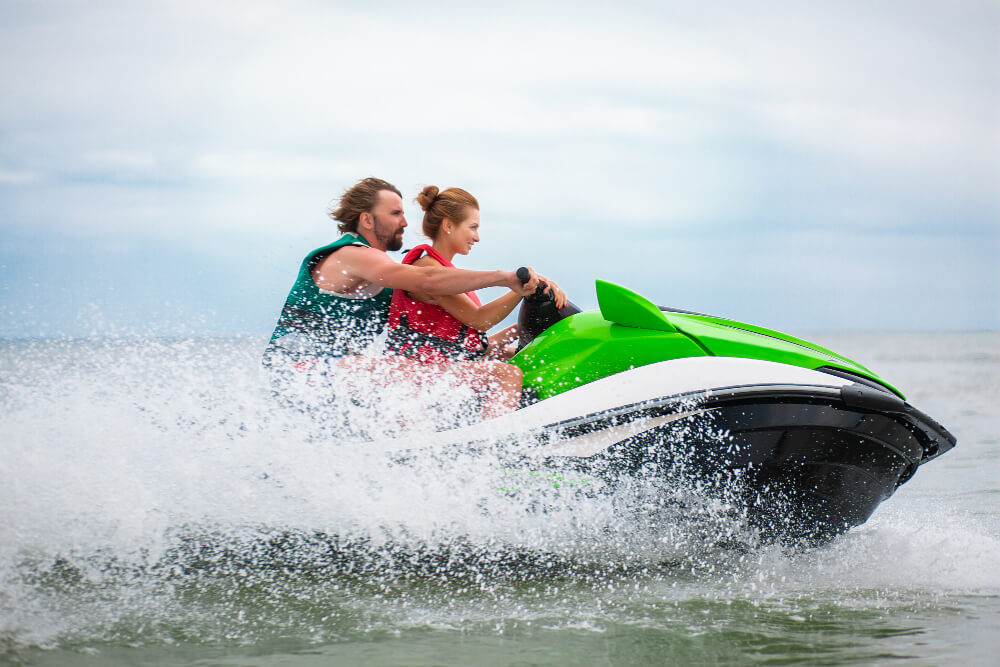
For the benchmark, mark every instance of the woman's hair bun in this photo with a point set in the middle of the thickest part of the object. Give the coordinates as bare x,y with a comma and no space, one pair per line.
427,196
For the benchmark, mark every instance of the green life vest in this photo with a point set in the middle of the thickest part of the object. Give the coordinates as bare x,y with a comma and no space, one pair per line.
334,324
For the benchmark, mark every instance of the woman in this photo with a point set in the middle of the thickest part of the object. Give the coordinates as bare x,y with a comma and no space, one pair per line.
452,329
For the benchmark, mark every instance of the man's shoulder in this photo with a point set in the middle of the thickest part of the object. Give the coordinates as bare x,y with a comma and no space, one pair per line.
360,252
352,259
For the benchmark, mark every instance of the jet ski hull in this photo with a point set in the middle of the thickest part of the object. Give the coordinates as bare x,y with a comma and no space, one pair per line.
805,441
800,453
798,463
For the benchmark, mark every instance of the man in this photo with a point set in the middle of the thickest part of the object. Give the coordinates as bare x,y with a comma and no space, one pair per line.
339,303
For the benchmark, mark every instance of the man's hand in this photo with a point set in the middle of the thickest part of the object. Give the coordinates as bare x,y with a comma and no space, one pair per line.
524,289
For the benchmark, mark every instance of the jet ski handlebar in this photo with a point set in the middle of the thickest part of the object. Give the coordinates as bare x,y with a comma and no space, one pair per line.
538,311
540,295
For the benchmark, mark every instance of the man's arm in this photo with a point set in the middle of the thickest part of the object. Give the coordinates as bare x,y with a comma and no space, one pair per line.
352,263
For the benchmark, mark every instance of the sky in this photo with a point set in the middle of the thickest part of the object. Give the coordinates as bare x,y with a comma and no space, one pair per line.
164,166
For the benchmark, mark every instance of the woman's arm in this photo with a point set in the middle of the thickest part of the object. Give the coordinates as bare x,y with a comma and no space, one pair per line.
481,317
464,309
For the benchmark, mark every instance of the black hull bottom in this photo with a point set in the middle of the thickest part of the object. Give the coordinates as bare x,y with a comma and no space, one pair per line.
813,471
797,467
812,501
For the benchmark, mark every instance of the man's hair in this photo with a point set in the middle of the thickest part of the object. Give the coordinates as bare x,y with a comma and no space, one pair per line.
357,199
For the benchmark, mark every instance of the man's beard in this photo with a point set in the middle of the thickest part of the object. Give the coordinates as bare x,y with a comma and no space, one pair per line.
391,240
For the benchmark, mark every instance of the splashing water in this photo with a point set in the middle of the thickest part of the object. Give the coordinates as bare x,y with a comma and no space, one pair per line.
154,495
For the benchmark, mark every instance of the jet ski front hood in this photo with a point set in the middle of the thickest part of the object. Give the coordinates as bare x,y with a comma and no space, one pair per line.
629,331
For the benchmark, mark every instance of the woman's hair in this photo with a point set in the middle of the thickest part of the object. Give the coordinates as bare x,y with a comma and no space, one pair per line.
452,203
359,198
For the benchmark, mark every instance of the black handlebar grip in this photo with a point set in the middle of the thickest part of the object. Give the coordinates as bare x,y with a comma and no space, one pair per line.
524,275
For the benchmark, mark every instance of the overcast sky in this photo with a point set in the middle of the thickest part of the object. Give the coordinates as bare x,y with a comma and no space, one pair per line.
164,166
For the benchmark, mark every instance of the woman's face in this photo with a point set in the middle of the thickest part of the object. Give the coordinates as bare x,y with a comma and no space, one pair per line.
465,234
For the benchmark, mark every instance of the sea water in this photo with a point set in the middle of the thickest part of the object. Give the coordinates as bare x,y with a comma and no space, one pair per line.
158,507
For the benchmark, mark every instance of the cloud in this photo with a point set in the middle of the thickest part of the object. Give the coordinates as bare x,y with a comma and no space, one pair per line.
18,177
264,166
226,128
121,160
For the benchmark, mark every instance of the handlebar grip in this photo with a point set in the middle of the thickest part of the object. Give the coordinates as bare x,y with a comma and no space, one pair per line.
523,275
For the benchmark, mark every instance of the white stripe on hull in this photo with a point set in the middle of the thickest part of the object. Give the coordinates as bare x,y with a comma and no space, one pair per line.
688,377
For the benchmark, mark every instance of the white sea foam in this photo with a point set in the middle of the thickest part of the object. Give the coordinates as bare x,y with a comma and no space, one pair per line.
119,455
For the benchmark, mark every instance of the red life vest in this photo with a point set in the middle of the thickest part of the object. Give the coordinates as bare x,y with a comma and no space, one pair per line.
428,332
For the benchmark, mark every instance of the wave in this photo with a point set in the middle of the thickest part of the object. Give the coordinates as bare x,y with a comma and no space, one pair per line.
148,488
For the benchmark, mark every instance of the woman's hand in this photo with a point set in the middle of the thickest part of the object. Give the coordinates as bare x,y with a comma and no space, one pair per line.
557,293
501,345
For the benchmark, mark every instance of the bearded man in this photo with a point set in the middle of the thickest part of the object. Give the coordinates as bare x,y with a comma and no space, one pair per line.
338,306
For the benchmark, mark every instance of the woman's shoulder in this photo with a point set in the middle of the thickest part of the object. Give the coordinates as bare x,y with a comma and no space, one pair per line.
423,260
426,260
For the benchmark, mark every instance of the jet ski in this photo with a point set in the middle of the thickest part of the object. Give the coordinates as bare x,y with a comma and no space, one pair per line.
803,442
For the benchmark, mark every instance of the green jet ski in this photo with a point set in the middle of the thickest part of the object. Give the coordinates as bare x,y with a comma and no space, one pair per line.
813,440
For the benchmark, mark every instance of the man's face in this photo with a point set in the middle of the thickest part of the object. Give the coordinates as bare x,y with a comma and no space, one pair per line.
389,220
